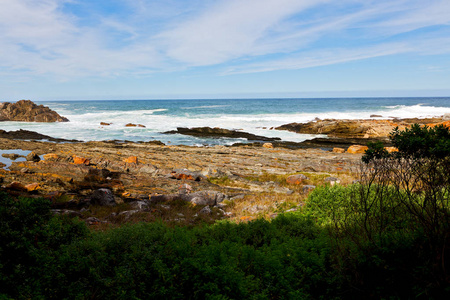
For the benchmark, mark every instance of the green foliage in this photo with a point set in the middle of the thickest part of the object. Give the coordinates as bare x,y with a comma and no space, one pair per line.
375,151
422,141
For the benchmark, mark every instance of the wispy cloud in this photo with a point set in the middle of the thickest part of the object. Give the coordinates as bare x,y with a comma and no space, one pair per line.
233,36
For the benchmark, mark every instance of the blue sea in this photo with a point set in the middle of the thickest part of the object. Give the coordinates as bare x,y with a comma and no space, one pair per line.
251,115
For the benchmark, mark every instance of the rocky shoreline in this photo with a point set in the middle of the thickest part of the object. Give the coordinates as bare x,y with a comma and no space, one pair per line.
109,182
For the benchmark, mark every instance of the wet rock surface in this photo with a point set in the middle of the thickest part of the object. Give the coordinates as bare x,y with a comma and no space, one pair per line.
28,111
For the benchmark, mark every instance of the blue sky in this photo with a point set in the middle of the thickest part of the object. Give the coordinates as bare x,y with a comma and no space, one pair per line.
143,49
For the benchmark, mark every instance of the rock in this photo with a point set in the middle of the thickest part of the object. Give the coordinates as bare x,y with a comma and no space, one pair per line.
139,205
376,116
205,210
338,150
78,160
296,179
32,156
131,160
308,188
28,111
134,125
268,145
205,198
105,124
92,221
11,156
32,187
332,180
186,175
16,186
344,128
24,170
446,117
51,157
219,133
185,189
355,149
103,197
391,149
29,135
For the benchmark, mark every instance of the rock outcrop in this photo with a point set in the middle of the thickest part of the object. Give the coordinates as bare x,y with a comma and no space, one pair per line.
29,135
358,128
28,111
220,133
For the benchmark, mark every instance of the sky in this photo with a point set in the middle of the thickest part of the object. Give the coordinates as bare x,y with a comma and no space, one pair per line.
144,49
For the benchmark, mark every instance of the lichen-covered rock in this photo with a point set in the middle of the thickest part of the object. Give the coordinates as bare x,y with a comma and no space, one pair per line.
296,179
355,149
28,111
32,156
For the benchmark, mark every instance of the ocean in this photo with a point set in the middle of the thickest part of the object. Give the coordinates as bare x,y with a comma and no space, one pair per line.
256,116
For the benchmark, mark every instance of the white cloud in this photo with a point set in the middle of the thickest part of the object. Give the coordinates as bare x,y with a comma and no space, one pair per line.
228,30
320,58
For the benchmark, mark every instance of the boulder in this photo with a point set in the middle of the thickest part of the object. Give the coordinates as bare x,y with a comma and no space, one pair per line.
32,156
332,180
268,145
205,198
103,197
105,124
28,111
355,149
296,179
32,187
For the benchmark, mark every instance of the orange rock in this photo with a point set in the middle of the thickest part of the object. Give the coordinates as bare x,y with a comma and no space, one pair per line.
105,124
338,150
78,160
391,149
32,187
268,145
131,160
130,125
126,194
357,149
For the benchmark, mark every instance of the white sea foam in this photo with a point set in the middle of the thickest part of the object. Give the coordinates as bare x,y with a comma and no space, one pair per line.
85,123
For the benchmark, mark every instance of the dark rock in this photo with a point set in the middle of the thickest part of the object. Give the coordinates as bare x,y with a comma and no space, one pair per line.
219,133
29,135
205,198
376,116
205,210
28,111
32,156
103,197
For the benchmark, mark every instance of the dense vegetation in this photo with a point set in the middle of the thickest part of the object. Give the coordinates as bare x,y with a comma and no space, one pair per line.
385,237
